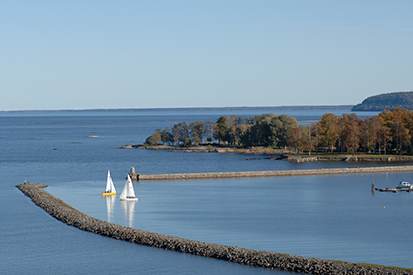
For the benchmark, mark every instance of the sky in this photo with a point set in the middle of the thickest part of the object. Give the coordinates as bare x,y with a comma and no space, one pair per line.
87,54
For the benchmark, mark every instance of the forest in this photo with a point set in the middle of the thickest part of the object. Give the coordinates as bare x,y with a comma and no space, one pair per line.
389,132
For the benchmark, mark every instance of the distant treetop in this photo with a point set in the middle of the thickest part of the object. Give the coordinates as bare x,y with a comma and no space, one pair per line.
386,102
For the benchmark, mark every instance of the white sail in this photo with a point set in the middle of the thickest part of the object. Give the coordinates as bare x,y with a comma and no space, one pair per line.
128,193
110,187
109,184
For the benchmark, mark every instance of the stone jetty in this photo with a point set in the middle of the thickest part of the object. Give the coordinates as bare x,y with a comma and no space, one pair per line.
73,217
276,173
394,190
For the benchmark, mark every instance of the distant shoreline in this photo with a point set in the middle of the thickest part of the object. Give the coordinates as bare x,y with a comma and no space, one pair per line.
241,108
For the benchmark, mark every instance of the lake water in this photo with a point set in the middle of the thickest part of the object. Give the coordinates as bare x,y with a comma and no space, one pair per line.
332,217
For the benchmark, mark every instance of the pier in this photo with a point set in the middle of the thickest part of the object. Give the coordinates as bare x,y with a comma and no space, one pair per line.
275,173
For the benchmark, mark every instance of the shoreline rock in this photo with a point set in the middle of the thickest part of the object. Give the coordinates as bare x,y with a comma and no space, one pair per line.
300,159
210,149
266,151
71,216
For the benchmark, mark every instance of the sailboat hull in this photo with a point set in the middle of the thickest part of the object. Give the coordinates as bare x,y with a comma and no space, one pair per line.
129,199
128,193
108,193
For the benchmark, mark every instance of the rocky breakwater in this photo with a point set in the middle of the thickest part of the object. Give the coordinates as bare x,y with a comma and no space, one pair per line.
275,173
71,216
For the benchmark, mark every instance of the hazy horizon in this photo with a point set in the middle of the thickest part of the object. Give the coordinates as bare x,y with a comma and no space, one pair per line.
283,107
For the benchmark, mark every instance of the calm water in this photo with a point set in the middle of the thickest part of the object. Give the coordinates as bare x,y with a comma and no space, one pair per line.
334,217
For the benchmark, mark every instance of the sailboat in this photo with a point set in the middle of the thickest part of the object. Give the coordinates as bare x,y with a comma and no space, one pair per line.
128,193
110,188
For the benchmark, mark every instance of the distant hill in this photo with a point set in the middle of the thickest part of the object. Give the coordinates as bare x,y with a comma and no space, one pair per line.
386,102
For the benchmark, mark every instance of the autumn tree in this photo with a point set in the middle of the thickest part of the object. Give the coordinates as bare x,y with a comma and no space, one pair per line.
329,130
232,129
384,136
287,123
196,130
316,136
351,132
241,136
295,139
196,140
309,138
368,137
209,131
263,129
180,133
166,136
397,120
222,129
401,137
154,139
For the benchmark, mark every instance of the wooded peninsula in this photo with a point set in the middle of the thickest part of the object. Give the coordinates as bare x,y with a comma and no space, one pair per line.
389,132
386,101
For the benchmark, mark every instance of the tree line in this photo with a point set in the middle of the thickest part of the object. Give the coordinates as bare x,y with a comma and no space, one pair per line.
389,132
260,130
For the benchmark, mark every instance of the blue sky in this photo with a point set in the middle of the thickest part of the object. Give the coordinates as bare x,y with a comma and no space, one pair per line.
157,54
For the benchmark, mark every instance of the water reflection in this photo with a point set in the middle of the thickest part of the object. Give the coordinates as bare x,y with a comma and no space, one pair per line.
110,202
129,209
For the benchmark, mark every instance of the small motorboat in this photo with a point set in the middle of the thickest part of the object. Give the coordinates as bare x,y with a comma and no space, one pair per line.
405,184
